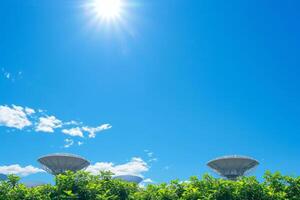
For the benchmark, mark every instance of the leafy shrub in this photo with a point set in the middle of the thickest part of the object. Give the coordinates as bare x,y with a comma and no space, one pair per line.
84,186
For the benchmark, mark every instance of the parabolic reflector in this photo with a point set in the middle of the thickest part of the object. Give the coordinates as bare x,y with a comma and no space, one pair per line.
232,167
62,162
129,178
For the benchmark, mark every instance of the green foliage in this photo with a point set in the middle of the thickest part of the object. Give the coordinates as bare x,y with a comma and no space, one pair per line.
84,186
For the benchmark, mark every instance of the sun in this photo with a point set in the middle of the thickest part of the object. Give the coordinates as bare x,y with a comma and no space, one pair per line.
107,9
110,15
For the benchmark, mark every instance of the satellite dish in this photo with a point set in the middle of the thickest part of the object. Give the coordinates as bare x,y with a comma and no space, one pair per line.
129,178
62,162
3,177
232,167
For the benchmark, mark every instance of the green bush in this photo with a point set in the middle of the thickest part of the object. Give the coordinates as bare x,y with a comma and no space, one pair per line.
84,186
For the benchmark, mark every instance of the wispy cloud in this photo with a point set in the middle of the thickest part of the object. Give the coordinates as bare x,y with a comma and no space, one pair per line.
73,132
29,111
7,75
18,170
14,117
37,120
72,122
152,160
93,130
48,124
79,143
150,155
69,142
10,76
136,166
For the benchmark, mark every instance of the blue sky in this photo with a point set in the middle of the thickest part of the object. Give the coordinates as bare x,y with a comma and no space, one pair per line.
176,83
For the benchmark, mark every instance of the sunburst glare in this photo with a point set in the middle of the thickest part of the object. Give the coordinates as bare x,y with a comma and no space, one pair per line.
111,16
107,9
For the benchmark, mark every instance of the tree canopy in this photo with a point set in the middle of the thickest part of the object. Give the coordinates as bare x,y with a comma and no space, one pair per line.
84,186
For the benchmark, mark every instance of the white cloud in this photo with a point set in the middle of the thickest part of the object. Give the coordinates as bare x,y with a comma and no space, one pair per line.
37,120
93,130
18,170
136,166
29,111
150,154
48,124
73,132
72,122
41,111
14,117
69,142
80,143
152,160
7,75
10,76
145,182
148,180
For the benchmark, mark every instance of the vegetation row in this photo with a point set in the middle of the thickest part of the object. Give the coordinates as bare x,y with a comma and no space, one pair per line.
84,186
